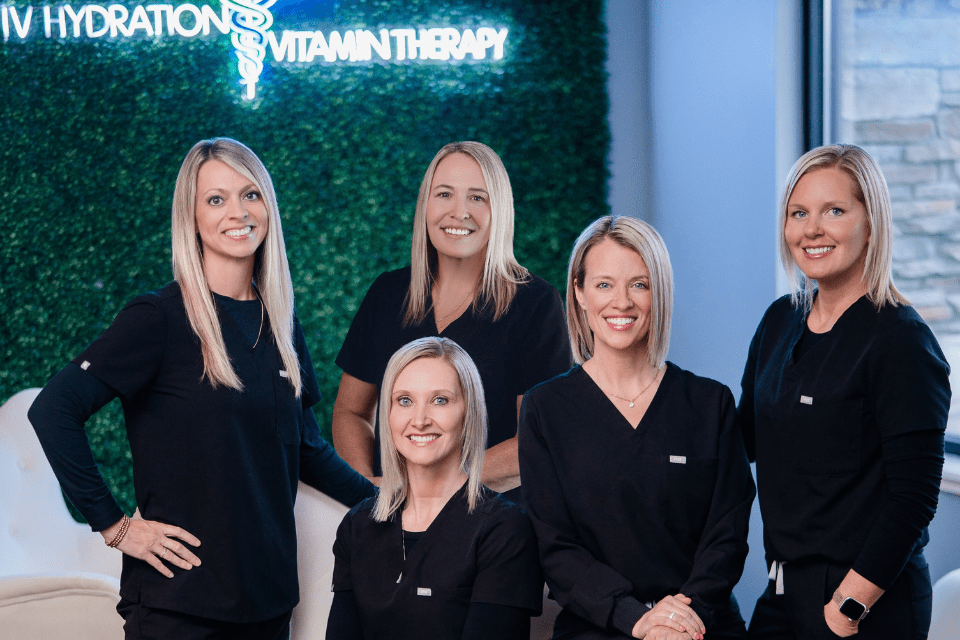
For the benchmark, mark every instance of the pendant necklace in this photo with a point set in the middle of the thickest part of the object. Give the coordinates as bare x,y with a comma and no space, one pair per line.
261,318
403,548
637,397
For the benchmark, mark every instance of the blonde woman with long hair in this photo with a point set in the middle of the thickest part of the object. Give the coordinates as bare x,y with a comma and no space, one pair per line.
463,283
436,554
217,388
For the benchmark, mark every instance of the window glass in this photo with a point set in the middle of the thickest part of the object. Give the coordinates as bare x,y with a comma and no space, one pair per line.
895,90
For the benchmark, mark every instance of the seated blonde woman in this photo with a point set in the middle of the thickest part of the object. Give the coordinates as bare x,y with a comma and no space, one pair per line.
436,555
634,471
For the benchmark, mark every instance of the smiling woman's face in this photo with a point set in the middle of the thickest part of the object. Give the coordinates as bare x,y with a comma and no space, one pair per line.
458,209
427,409
230,214
827,229
615,294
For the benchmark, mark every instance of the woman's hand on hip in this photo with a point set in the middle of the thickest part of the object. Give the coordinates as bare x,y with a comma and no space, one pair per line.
154,543
673,613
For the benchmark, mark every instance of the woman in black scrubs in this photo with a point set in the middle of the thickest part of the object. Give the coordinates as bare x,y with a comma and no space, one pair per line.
216,384
463,284
633,469
436,555
844,406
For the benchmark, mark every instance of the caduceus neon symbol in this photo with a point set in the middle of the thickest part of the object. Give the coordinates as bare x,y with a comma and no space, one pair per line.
250,21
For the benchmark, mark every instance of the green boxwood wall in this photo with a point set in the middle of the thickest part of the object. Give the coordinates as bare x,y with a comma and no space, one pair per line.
93,133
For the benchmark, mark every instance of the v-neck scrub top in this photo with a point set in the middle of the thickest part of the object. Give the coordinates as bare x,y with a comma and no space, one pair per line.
220,463
849,438
626,516
526,346
489,556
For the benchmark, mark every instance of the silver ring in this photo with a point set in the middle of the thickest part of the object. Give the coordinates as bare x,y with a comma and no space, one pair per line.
164,553
670,617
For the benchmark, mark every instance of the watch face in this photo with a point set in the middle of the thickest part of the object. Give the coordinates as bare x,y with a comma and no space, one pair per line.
852,609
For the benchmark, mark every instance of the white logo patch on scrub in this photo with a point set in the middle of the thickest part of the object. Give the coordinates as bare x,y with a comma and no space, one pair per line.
284,374
85,365
424,591
678,459
806,400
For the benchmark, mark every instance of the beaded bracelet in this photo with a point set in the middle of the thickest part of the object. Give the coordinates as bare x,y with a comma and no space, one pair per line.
124,525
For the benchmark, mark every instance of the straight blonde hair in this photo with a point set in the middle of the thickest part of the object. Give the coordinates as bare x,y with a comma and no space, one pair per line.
395,485
639,236
271,273
501,271
870,189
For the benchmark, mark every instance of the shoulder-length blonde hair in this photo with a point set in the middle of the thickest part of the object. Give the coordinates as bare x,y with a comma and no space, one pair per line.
395,483
271,274
501,271
640,237
870,189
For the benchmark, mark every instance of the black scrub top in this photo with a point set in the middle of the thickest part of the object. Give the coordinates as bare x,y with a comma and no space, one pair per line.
825,429
526,346
220,463
629,515
489,556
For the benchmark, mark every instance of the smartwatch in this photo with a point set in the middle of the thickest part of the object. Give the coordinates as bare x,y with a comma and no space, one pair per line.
850,607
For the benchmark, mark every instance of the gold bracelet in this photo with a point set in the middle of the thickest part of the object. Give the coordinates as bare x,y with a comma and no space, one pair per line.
124,525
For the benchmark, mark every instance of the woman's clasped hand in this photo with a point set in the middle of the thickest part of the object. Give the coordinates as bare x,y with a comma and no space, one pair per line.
671,618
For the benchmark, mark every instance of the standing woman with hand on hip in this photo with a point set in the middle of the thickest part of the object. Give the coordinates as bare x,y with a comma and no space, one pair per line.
844,406
217,388
634,472
464,284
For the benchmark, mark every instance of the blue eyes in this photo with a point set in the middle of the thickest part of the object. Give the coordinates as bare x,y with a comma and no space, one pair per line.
635,285
799,214
405,401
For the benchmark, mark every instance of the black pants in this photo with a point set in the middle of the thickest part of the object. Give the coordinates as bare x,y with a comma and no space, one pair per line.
146,623
901,613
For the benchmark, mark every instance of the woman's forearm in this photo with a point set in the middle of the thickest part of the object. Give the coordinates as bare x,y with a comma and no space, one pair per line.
353,420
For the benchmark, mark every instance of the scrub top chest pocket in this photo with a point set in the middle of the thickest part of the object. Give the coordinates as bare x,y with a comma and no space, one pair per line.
823,433
289,407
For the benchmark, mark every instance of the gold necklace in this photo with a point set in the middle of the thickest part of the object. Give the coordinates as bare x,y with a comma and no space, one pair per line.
469,293
636,397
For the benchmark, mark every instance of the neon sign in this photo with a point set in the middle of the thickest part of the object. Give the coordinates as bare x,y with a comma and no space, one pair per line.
249,22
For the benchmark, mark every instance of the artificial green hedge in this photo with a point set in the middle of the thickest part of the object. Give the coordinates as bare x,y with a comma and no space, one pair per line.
93,133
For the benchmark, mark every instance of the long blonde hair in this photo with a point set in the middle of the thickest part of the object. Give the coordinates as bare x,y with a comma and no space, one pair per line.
395,484
870,189
271,274
501,271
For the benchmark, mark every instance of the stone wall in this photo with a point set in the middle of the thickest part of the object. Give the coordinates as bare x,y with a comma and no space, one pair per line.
897,94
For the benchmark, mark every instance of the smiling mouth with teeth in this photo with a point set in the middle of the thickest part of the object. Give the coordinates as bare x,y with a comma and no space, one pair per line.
620,321
458,232
816,251
423,439
238,233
